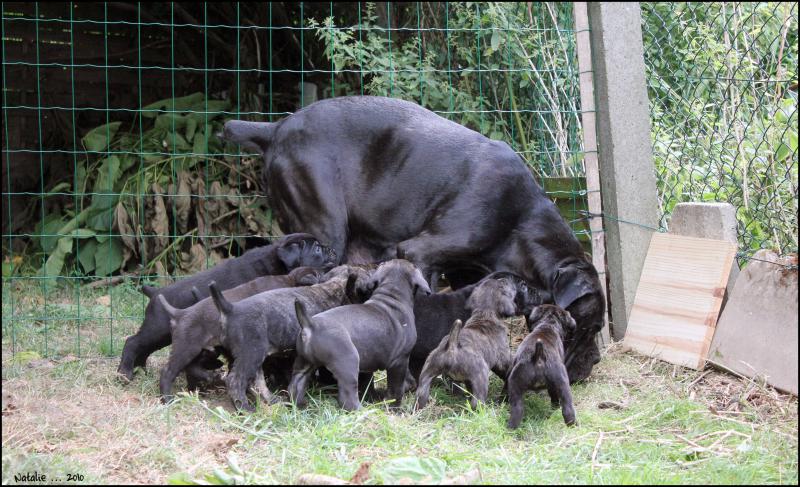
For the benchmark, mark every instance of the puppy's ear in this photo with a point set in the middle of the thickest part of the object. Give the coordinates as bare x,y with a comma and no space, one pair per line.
506,306
419,283
309,278
350,290
534,317
568,322
289,255
571,283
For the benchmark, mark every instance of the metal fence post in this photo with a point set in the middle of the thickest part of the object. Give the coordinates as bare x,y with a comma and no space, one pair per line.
627,177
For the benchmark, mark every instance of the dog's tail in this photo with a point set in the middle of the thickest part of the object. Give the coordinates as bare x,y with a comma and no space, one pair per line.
171,310
302,315
452,339
255,135
538,352
196,294
149,291
223,305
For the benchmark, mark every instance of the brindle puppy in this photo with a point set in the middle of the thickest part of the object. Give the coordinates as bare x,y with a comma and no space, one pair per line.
540,361
470,351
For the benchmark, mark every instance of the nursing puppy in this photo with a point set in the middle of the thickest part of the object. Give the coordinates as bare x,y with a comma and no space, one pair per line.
540,361
471,350
265,324
291,251
378,334
196,329
434,315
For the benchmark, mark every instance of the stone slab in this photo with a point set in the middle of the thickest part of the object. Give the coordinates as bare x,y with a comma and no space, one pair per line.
708,220
756,335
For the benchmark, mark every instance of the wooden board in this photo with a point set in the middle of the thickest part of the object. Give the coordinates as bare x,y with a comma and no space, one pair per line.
678,298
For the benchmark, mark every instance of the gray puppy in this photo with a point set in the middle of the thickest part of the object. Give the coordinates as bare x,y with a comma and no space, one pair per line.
378,334
197,327
540,361
471,350
265,324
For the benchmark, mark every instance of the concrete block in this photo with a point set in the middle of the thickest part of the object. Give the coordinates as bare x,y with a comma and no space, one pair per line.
757,332
708,220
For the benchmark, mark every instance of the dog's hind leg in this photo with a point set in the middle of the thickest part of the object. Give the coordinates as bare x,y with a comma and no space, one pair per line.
260,387
301,373
518,381
433,367
559,380
179,358
395,381
345,369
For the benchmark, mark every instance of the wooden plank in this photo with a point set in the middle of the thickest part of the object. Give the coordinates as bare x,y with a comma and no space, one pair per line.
594,201
678,299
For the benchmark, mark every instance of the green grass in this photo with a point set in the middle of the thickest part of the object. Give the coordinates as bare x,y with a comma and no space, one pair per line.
73,414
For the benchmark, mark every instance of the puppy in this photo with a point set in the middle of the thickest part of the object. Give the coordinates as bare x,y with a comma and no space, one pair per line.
265,324
434,315
540,361
471,350
378,334
291,251
196,329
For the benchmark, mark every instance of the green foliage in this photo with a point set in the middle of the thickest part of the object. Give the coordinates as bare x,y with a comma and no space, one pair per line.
724,116
135,184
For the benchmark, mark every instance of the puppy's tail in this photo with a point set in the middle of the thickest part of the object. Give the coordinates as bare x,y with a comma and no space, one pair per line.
452,339
538,352
302,315
223,305
171,310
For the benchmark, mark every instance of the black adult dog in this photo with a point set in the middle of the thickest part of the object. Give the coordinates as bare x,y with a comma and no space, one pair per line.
378,178
291,251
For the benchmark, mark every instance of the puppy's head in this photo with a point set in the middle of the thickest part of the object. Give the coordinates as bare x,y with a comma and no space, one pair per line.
494,294
526,296
551,315
306,276
399,269
302,249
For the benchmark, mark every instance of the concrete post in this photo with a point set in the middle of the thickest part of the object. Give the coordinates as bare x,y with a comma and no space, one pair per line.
627,176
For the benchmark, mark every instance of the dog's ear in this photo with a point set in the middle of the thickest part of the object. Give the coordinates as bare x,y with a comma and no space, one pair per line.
572,283
350,290
534,317
419,283
308,278
506,306
568,322
289,255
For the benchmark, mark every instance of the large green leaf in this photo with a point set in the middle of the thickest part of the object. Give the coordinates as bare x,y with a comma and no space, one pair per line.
55,262
429,470
86,251
183,103
97,138
46,230
107,175
108,257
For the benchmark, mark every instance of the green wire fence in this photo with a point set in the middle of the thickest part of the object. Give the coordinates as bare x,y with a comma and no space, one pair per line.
112,170
723,97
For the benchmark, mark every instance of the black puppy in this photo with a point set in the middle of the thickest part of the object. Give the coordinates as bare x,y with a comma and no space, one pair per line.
291,251
265,324
376,335
540,361
197,327
468,354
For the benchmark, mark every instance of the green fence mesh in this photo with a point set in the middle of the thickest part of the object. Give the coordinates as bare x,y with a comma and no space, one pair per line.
722,81
111,169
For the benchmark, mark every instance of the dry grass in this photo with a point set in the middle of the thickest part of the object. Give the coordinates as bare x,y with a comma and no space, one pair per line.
641,420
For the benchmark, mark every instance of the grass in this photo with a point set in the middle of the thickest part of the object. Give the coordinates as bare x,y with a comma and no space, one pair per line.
640,421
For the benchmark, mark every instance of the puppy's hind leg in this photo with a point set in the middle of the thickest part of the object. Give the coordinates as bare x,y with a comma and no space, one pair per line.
179,358
345,369
433,367
558,378
395,380
301,373
260,387
518,381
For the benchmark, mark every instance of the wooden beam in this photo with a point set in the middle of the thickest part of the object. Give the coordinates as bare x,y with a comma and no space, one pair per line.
586,81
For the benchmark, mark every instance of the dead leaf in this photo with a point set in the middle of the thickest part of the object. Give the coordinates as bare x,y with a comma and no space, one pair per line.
317,479
183,201
466,478
159,223
362,474
103,300
122,222
194,260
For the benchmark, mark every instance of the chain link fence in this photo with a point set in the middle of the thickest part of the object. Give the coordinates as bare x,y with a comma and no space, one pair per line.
722,80
112,173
